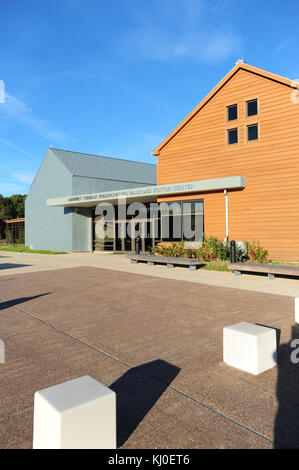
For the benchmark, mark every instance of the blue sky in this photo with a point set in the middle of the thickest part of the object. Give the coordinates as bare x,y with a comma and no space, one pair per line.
114,77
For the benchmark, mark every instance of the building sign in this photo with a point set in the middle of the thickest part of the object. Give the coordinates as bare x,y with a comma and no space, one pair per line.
230,182
127,193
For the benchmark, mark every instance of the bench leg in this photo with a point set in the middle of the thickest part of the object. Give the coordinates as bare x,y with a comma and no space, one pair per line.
134,261
271,276
170,265
150,263
237,273
192,268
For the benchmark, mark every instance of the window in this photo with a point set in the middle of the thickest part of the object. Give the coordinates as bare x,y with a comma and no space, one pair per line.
251,108
232,136
182,220
192,220
252,132
232,112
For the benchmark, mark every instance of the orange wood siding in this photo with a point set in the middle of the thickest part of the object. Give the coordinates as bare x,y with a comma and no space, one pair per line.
268,208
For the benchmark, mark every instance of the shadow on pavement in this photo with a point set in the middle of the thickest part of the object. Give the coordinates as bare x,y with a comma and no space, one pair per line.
12,265
286,430
14,302
137,392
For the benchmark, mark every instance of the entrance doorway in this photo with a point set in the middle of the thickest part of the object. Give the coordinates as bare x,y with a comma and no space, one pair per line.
118,235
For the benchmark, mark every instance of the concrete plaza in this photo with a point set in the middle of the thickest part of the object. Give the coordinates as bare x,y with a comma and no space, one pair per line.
153,335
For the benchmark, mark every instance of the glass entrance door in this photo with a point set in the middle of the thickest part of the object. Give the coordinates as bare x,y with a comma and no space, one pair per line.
102,234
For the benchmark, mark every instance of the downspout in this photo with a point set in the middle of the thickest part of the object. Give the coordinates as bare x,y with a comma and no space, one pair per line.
226,215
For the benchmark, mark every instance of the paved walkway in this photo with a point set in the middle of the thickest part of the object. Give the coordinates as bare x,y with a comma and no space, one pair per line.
155,336
156,342
19,263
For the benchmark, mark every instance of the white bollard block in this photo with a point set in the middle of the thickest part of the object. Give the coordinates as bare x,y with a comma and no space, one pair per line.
78,414
2,352
250,347
297,309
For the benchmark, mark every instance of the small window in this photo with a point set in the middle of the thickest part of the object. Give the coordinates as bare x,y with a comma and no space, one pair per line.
252,132
251,108
232,136
232,112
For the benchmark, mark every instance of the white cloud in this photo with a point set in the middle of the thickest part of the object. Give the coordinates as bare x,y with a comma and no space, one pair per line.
198,30
17,110
11,188
16,147
24,176
209,47
285,43
220,46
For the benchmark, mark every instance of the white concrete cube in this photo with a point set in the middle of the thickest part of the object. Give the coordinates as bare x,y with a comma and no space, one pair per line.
2,352
78,414
250,347
297,309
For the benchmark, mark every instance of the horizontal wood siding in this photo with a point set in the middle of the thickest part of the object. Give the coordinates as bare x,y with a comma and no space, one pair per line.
268,208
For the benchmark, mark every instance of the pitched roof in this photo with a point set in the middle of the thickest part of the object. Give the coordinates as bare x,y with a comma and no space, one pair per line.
96,166
239,65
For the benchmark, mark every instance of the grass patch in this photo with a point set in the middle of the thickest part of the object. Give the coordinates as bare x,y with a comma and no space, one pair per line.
216,266
285,263
25,249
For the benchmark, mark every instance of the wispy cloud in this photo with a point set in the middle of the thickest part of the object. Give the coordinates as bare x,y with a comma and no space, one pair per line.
17,148
17,110
212,47
285,43
11,188
196,30
16,182
23,176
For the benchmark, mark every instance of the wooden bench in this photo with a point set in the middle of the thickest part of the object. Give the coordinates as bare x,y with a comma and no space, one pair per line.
271,269
170,261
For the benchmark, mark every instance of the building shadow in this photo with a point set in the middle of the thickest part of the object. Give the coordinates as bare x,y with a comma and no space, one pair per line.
286,429
14,302
137,391
12,265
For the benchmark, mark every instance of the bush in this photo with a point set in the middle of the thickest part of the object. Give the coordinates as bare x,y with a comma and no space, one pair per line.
256,253
177,250
213,249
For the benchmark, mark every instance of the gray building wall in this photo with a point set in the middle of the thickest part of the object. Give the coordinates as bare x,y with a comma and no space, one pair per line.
65,229
47,229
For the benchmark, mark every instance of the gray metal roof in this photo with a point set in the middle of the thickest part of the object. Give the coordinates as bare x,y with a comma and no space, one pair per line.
96,166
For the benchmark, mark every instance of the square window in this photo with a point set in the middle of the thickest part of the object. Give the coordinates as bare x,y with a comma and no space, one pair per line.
232,136
252,132
251,108
232,112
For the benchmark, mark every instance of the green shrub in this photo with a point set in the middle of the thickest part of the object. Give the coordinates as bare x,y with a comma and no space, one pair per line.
256,253
213,249
177,250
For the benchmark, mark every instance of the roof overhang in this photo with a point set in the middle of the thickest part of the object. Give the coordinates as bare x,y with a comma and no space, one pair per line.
149,193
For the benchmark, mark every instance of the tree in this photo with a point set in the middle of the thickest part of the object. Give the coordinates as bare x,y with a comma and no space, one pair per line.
12,207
